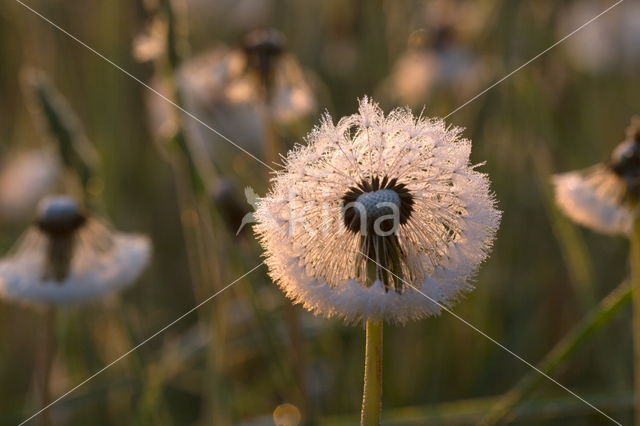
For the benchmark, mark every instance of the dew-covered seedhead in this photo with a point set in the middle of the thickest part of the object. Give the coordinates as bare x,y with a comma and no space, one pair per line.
375,210
59,215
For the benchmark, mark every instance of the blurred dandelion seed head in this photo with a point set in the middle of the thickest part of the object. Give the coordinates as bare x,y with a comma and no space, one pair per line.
432,61
228,88
69,257
603,197
395,189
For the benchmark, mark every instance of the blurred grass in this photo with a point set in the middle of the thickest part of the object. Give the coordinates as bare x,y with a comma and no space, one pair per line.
504,408
543,275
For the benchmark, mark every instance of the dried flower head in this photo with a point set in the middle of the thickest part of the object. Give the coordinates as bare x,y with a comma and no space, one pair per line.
70,257
373,211
603,197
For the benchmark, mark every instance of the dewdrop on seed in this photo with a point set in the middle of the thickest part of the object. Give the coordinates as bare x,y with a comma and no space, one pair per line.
69,257
373,211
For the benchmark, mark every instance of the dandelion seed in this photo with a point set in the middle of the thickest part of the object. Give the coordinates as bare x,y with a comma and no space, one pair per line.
602,197
70,257
371,204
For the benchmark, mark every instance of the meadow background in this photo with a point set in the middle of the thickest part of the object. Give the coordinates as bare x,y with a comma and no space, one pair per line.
247,351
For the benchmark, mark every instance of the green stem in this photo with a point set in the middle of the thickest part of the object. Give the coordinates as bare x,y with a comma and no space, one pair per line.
505,406
372,395
46,360
635,283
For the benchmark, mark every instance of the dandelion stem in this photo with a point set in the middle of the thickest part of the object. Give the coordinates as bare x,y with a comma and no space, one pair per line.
372,394
635,283
46,363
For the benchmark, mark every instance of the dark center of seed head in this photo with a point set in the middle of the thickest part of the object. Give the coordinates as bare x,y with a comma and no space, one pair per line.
262,48
374,199
59,216
375,209
625,160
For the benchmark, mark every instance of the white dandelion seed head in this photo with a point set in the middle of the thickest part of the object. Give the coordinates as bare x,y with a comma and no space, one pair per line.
603,196
222,87
594,198
408,176
69,258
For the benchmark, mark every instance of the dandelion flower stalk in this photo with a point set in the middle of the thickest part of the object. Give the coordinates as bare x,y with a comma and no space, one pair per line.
47,356
372,394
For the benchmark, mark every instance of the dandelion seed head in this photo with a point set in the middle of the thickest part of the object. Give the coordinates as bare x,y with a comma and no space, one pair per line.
594,198
69,257
226,88
396,189
602,197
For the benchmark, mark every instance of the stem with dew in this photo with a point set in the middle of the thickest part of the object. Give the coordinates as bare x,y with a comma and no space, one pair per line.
372,394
